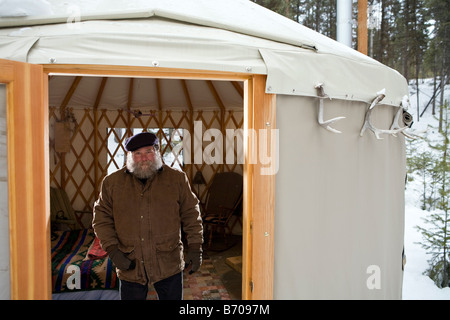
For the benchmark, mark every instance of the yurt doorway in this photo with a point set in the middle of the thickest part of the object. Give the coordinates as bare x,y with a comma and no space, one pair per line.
200,127
28,113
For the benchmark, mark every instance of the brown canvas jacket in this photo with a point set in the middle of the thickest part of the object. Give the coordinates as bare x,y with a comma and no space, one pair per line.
145,222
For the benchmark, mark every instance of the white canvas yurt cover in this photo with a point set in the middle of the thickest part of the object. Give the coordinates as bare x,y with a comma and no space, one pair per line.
339,184
207,35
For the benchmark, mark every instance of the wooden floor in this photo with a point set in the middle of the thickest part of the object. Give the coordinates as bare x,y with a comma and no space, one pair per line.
227,270
219,277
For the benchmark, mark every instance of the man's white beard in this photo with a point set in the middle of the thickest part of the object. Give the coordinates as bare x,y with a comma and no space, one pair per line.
144,169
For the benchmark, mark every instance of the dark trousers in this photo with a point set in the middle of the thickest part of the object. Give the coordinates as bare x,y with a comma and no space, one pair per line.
167,289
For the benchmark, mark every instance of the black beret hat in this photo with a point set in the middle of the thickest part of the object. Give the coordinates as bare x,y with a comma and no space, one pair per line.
140,140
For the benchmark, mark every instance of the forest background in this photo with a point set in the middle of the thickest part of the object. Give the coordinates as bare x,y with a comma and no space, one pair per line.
412,37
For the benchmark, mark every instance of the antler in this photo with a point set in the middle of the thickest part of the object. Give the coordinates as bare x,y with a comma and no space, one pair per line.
368,123
322,95
406,118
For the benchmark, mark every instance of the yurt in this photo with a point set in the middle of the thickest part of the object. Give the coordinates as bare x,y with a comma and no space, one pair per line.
314,128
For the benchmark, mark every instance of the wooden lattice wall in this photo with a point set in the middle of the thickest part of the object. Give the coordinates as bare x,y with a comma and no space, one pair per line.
80,169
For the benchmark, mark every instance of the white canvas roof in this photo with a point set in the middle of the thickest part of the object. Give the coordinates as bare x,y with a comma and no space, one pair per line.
233,35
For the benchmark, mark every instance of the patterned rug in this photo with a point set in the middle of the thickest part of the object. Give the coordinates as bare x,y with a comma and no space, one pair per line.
204,284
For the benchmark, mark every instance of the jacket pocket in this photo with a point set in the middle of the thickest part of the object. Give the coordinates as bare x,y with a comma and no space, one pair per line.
128,250
136,274
169,253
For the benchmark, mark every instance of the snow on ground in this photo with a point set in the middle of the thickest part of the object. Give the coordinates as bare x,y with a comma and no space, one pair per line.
415,284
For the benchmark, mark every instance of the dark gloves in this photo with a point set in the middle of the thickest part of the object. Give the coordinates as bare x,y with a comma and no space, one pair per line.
194,258
120,259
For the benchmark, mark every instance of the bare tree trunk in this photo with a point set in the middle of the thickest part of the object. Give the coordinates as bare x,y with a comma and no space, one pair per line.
443,80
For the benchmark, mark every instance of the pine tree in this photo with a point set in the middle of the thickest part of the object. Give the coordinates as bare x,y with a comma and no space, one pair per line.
440,15
283,7
436,238
318,15
423,166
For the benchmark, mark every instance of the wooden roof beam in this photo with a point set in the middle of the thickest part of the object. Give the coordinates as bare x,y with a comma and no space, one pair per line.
158,94
129,102
216,95
100,92
130,94
69,94
187,95
238,88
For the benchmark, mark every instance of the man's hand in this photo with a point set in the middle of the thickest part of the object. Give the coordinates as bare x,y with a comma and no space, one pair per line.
194,258
120,260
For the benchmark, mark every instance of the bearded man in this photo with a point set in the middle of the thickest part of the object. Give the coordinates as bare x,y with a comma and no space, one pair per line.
139,217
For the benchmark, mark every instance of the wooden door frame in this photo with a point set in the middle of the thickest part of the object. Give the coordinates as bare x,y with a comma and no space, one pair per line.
28,195
259,193
259,190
